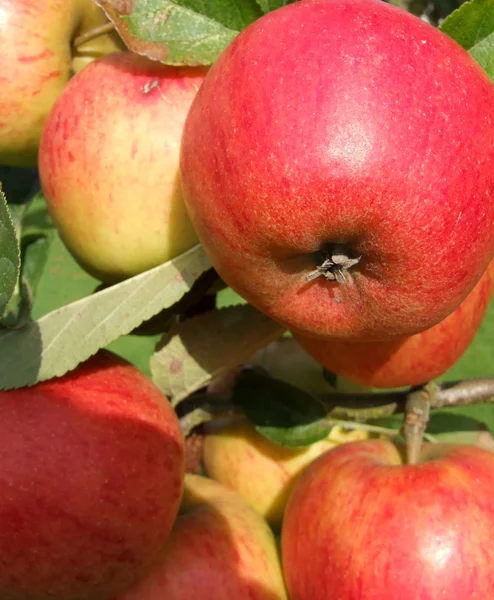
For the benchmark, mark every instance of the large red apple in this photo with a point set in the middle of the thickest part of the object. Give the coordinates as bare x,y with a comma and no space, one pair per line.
361,525
108,164
351,140
36,63
410,360
91,476
219,549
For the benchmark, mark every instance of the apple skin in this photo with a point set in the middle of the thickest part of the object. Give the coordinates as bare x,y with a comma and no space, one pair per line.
410,360
344,122
35,37
109,164
360,525
91,478
263,472
219,549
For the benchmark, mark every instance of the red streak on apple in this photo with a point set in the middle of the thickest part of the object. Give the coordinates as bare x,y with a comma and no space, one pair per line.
344,122
360,525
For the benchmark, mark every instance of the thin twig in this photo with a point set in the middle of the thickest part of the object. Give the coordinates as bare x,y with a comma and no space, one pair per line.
92,33
352,410
417,412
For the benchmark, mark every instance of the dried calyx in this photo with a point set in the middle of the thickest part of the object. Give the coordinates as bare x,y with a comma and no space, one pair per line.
335,263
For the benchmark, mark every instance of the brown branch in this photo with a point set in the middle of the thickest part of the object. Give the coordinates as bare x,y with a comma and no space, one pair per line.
417,412
415,403
383,404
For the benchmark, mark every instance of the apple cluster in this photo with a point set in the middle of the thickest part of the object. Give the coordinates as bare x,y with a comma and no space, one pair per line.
336,164
95,504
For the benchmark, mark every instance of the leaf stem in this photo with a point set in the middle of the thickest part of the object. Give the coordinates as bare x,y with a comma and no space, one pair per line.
92,34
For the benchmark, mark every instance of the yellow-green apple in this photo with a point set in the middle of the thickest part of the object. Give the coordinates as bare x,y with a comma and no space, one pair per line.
408,360
91,476
36,38
261,471
219,549
338,165
109,164
361,525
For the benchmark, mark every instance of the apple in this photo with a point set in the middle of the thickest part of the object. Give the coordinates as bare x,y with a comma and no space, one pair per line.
261,471
91,476
219,549
338,166
109,164
409,360
36,36
360,524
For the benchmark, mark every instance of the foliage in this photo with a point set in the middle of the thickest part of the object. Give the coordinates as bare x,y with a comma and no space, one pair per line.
9,255
472,26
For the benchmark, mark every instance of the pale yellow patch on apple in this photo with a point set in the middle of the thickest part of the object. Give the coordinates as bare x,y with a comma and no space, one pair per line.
263,472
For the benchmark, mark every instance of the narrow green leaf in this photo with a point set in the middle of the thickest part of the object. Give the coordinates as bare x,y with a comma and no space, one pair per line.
270,5
62,339
483,52
36,232
201,348
180,32
480,438
9,255
36,220
281,412
472,26
471,23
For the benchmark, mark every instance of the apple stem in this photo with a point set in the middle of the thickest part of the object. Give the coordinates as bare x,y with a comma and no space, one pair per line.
334,265
417,412
92,34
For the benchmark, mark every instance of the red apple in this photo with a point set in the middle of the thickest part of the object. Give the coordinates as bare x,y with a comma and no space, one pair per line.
36,59
347,139
219,549
408,360
361,525
108,164
91,476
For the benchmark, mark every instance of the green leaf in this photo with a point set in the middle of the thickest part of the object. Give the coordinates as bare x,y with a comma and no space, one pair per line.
270,5
483,52
137,349
471,23
472,26
36,232
62,339
181,32
34,256
203,347
281,412
36,220
9,255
